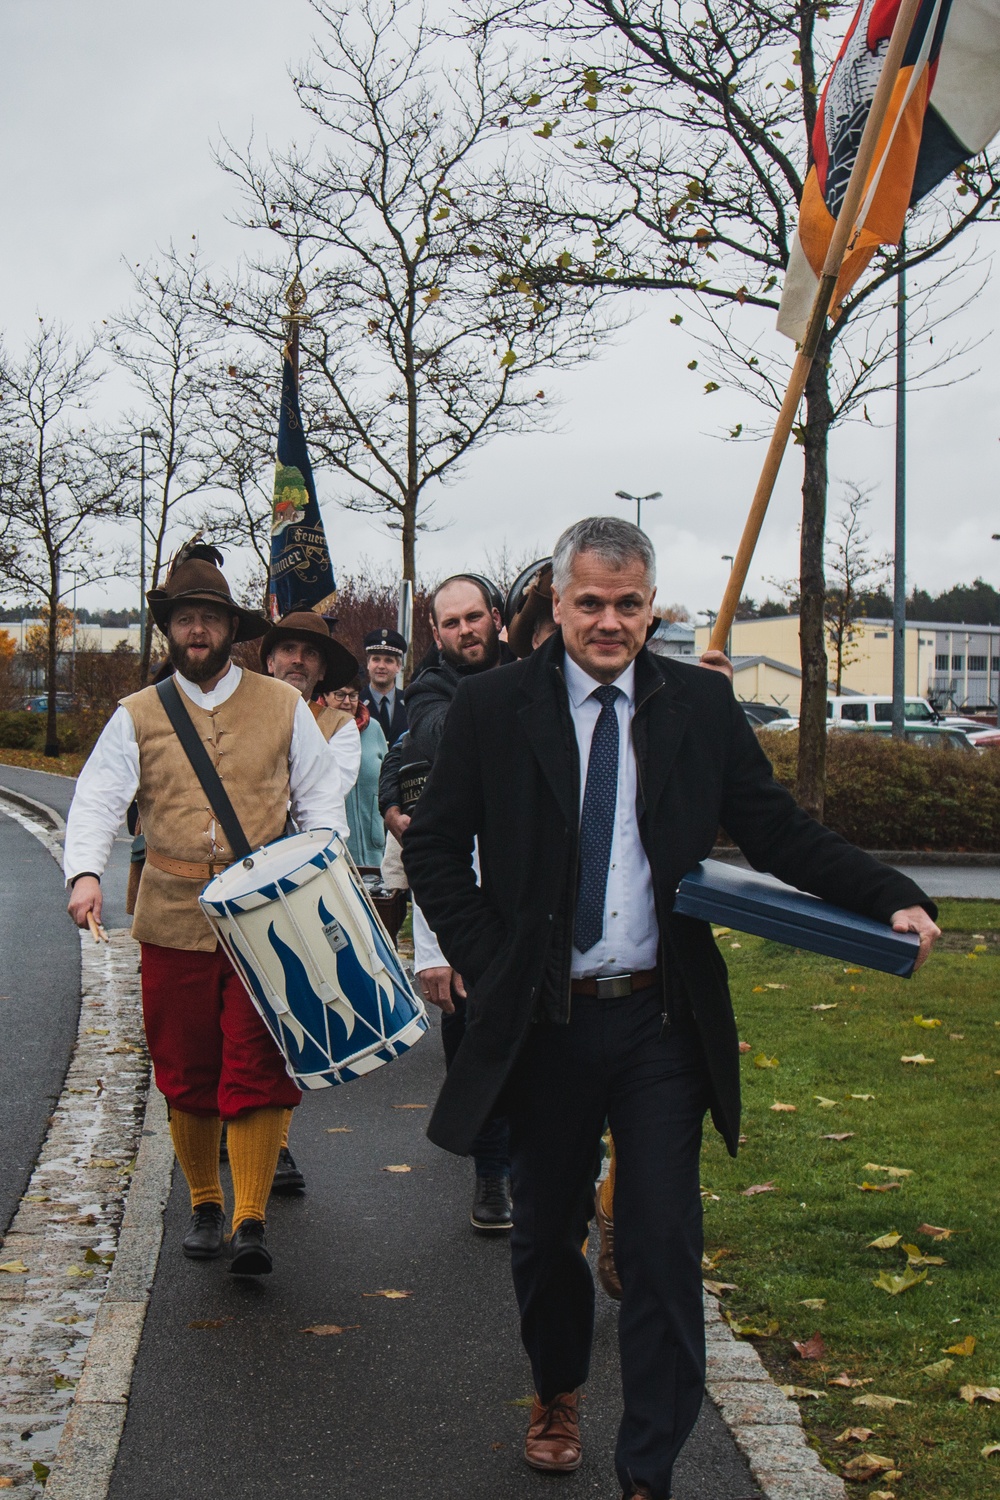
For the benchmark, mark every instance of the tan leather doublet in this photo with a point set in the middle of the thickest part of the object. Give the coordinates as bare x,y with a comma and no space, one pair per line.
248,739
330,719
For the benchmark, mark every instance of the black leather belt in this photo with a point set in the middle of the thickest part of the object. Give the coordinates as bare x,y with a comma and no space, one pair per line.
616,986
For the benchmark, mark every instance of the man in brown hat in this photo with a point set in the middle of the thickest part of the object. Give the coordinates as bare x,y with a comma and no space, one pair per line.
300,650
213,1057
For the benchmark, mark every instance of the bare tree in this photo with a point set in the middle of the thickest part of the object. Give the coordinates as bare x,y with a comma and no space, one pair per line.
175,360
57,480
672,146
852,572
420,347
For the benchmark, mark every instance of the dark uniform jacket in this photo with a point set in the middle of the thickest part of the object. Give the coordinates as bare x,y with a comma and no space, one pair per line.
397,724
507,771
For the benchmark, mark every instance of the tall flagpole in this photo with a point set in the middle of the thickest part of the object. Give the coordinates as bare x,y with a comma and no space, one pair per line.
843,235
899,555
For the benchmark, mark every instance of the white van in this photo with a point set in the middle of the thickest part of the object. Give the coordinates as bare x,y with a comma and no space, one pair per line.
858,709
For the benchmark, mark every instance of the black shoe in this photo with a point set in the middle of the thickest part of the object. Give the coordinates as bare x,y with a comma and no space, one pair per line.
251,1257
491,1207
287,1177
203,1240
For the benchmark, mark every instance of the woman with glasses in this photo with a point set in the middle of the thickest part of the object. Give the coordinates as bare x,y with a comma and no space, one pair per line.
367,838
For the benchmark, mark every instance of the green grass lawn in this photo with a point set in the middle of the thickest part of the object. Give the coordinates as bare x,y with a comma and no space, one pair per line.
809,1237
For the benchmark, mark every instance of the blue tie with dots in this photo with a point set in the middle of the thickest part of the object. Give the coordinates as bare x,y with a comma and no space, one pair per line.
597,823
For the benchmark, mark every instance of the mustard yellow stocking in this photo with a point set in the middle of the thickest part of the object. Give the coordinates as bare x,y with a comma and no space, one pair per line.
254,1143
196,1142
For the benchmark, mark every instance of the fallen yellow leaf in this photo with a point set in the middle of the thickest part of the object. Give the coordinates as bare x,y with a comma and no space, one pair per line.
391,1294
956,1036
832,1006
76,1271
786,1109
879,1403
853,971
717,1288
849,1382
885,1241
918,1059
839,1135
873,1166
887,1282
409,1106
339,1130
877,1187
758,1187
861,1096
104,1161
938,1370
776,986
866,1466
763,1061
6,1483
990,1449
825,1103
914,1257
973,1393
324,1330
801,1392
401,1168
97,1031
928,1022
15,1267
813,1302
936,1232
855,1435
964,1347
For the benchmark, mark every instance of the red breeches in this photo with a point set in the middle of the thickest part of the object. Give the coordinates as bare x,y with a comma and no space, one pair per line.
212,1053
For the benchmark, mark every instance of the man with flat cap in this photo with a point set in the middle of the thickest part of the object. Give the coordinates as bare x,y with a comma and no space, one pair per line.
213,1057
300,650
385,652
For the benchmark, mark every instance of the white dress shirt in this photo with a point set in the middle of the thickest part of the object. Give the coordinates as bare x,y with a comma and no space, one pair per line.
630,939
345,748
110,779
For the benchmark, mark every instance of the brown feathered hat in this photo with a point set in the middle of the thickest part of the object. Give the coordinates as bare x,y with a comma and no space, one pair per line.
194,574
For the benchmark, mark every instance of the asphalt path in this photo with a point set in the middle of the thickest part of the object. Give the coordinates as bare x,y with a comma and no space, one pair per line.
39,978
39,1003
420,1396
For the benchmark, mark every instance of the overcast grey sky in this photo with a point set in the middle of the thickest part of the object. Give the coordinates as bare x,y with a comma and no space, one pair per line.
110,111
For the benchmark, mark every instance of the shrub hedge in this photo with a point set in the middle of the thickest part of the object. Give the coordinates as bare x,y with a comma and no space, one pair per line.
20,730
882,794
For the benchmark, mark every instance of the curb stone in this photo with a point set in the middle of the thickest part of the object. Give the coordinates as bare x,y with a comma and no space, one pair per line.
765,1424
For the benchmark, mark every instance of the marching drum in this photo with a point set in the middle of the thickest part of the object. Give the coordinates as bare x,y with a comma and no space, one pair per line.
306,940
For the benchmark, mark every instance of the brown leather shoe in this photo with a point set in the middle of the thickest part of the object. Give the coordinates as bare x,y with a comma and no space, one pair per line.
553,1439
607,1275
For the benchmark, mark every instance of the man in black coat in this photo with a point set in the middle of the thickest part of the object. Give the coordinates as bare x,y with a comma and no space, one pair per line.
595,776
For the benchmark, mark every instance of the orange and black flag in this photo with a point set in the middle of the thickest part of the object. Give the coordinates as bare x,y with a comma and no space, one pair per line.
945,108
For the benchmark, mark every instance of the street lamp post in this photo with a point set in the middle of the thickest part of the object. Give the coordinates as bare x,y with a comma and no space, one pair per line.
638,499
996,538
151,433
726,557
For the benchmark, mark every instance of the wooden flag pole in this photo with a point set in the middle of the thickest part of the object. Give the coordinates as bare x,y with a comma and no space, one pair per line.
839,243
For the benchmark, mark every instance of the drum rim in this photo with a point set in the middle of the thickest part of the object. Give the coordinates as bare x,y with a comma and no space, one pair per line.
221,903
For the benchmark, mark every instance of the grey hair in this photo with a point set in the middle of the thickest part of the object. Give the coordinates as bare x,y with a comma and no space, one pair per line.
615,541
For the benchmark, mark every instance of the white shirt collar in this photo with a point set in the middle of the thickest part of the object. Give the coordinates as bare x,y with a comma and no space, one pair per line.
580,684
215,697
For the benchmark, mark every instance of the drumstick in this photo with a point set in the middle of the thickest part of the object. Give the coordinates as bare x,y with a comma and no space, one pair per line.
98,932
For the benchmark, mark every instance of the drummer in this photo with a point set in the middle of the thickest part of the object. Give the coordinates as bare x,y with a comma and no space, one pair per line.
213,1057
300,650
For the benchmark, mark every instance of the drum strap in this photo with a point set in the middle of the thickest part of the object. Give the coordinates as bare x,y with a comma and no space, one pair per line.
202,766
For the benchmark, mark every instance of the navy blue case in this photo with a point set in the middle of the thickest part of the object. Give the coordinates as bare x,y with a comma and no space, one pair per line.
733,897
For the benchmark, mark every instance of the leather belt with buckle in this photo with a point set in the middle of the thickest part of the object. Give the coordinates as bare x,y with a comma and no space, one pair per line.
186,869
616,986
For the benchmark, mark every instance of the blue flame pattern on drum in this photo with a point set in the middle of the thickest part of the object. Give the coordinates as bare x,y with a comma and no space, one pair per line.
338,1003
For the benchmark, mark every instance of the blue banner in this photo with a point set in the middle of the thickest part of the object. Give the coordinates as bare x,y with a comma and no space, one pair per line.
301,575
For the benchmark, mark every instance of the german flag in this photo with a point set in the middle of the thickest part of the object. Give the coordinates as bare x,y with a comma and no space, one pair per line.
954,53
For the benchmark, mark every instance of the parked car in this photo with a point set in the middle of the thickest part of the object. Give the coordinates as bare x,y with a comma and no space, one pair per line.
39,704
875,708
763,713
930,736
984,738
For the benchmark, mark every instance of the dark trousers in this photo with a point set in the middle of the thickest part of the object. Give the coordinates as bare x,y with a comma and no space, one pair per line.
612,1062
491,1148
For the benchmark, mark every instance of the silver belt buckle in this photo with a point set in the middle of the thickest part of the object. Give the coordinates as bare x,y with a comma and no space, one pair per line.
614,987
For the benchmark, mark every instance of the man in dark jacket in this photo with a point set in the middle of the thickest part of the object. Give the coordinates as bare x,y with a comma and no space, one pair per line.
594,777
465,624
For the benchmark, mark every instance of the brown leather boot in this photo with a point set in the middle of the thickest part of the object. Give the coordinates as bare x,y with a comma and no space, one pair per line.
553,1439
607,1275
